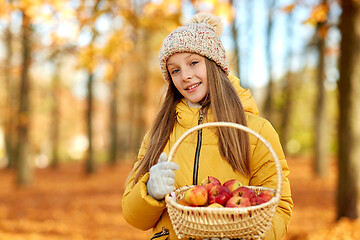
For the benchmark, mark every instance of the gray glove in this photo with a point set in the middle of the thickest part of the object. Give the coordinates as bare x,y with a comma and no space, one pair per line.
162,178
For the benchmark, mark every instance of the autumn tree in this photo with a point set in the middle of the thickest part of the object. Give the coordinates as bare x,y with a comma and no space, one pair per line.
115,53
60,48
87,16
139,76
289,78
19,89
9,107
320,158
319,19
147,21
235,29
268,105
348,189
113,126
248,42
23,165
112,77
55,115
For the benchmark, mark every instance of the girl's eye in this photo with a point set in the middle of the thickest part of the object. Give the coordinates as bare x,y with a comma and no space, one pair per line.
194,63
174,71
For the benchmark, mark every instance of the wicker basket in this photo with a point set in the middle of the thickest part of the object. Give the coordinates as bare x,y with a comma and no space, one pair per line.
202,222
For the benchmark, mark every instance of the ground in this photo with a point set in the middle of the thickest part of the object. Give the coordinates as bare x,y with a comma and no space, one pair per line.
66,204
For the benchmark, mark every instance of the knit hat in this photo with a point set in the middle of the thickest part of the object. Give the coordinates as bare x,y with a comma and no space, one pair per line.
202,36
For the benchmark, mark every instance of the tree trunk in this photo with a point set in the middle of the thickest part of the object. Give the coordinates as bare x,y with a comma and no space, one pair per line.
320,160
249,23
55,122
24,168
348,192
268,106
140,107
113,126
235,33
90,164
10,105
289,85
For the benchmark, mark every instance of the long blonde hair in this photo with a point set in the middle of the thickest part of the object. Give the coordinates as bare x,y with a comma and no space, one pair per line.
234,145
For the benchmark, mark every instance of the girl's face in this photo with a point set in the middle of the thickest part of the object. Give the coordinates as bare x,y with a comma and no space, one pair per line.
188,73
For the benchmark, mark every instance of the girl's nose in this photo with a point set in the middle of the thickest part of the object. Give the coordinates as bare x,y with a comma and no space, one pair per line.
187,74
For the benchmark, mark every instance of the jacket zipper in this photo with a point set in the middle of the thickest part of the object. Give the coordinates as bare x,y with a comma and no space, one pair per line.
198,147
164,232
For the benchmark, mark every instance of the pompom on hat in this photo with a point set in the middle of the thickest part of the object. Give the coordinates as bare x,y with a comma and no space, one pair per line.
202,36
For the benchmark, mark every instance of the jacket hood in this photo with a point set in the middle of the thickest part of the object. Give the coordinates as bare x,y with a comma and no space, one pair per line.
246,98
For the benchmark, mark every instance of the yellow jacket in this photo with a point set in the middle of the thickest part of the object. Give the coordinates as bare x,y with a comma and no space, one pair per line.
144,212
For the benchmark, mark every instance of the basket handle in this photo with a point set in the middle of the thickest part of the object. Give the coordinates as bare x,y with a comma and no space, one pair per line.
240,127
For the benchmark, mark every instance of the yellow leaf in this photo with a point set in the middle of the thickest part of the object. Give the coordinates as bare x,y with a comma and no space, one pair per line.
289,8
318,14
5,8
87,58
309,21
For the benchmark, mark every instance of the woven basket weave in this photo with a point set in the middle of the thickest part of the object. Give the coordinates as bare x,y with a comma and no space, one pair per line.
202,222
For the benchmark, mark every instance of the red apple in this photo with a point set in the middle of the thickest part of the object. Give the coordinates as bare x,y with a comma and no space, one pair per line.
215,205
232,184
247,193
237,201
184,202
267,195
196,195
210,182
219,194
259,200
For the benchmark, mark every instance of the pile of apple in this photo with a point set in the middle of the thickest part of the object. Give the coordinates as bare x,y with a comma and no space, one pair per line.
211,193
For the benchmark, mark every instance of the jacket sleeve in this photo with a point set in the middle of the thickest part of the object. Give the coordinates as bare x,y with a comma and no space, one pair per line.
138,208
264,174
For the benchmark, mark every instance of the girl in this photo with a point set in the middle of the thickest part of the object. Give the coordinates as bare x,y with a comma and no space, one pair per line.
194,65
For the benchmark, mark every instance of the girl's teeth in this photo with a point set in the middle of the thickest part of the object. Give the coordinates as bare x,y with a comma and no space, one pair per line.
193,86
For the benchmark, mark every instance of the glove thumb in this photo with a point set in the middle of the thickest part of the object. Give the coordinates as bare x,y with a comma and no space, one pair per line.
163,157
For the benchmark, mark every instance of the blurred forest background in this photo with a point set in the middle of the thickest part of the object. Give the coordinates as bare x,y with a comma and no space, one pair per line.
80,83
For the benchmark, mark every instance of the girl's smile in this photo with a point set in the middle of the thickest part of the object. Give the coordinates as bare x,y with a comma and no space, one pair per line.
193,87
188,73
